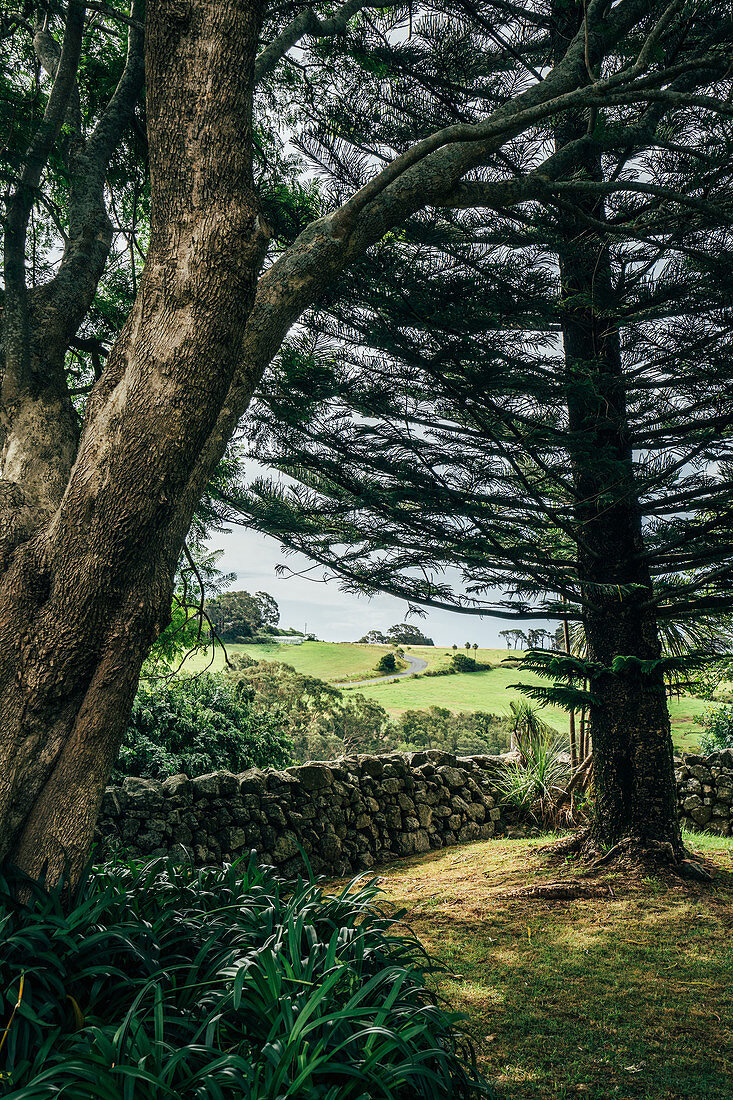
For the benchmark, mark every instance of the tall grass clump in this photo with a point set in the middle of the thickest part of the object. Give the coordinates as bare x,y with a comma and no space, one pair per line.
161,981
533,782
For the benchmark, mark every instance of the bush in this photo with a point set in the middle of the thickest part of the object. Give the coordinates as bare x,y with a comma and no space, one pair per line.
718,726
167,982
533,783
387,663
462,663
197,724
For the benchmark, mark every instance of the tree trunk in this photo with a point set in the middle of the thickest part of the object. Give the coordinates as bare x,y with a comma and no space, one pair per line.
632,742
573,740
83,598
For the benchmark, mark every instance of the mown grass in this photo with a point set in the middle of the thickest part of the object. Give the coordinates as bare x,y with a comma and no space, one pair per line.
629,995
332,661
488,691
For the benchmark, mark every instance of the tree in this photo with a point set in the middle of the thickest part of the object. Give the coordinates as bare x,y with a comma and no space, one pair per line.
590,482
408,634
387,663
95,506
239,614
375,637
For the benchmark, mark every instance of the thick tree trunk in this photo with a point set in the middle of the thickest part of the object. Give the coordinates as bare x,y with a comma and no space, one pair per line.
81,602
632,743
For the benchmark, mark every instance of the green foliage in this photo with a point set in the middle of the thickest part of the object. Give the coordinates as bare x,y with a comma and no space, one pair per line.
197,725
159,981
239,616
466,732
408,634
323,722
387,663
463,663
527,726
533,782
319,720
710,676
375,637
718,727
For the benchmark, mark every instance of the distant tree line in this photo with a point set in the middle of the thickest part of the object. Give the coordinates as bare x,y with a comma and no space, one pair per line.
532,639
399,634
242,617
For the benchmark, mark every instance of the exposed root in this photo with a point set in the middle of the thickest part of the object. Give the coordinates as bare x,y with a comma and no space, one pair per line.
567,846
563,891
631,853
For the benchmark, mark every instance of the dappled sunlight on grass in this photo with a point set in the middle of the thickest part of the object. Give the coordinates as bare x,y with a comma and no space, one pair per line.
629,995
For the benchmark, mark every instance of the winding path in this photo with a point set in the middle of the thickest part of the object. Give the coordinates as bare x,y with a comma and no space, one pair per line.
417,664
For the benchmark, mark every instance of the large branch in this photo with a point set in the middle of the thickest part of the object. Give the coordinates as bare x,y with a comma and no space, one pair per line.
67,298
41,429
424,175
309,24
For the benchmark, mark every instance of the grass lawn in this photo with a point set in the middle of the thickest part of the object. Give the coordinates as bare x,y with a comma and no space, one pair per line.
332,661
629,995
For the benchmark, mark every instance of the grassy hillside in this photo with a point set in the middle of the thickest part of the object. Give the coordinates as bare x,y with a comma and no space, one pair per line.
486,691
332,661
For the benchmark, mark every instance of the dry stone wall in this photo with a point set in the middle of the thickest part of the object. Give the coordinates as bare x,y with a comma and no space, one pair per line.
347,815
350,814
705,792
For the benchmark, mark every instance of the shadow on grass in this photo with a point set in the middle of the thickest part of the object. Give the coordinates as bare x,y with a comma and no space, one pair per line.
629,995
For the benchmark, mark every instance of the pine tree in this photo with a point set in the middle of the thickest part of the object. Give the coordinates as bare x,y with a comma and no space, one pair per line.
540,398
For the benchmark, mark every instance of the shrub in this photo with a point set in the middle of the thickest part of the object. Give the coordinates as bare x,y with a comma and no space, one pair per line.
718,726
387,663
167,982
533,783
197,724
463,663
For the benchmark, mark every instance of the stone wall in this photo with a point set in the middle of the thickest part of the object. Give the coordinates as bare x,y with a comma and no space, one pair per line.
351,814
705,792
347,815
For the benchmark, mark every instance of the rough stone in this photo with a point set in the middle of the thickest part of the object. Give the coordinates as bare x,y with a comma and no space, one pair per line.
352,813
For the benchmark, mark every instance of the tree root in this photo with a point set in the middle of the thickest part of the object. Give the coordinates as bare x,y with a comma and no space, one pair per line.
629,853
567,846
563,891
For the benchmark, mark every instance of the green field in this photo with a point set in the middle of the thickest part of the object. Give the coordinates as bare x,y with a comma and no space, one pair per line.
486,691
332,661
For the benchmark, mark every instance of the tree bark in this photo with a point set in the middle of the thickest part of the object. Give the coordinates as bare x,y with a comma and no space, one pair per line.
632,742
82,601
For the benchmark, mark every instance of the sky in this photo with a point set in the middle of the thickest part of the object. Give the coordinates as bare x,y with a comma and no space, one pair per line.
329,613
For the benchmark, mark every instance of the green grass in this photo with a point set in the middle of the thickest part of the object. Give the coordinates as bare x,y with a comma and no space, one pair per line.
469,691
487,691
332,661
626,995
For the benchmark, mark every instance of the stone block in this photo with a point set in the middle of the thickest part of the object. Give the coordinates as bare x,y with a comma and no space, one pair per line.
313,777
252,782
452,777
206,786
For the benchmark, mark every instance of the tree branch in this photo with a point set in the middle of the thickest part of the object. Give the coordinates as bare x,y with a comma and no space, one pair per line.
21,201
308,23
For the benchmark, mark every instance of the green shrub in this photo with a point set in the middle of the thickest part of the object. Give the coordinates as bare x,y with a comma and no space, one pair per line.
462,663
197,724
387,663
533,783
718,726
166,982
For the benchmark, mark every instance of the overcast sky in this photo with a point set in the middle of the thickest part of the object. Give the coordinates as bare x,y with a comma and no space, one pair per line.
333,615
